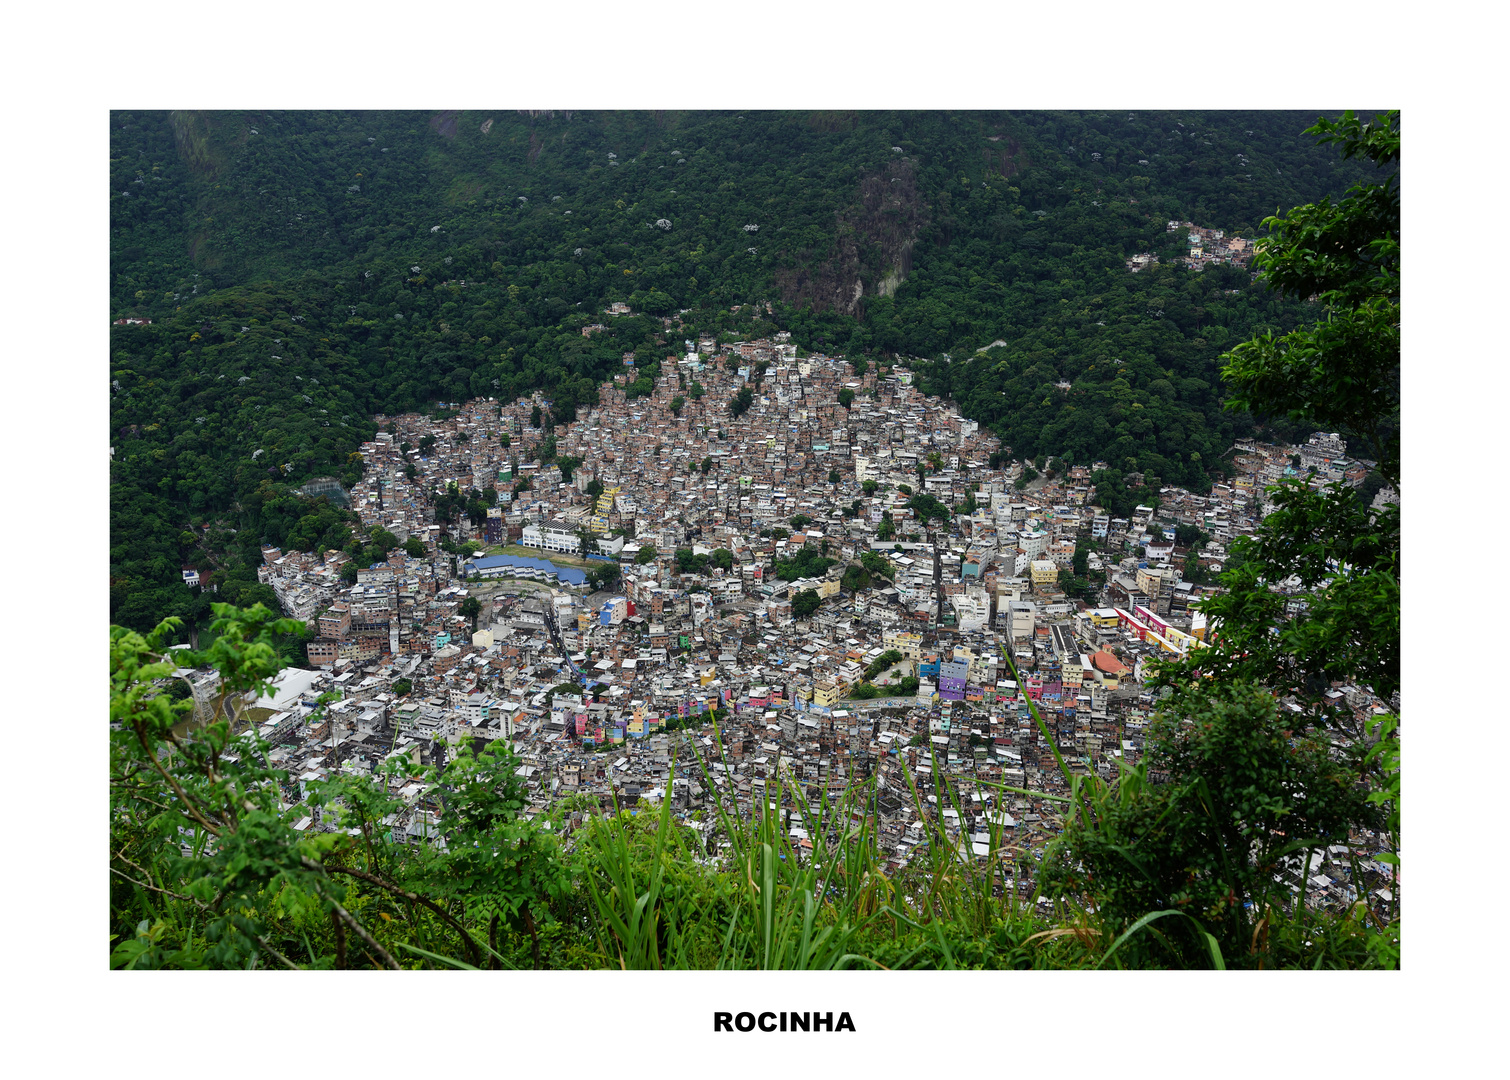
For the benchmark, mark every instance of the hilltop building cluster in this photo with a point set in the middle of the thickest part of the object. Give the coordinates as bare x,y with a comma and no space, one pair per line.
1209,246
839,575
1205,247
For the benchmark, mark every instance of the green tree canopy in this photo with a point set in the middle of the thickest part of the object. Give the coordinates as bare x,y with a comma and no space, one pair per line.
805,603
605,576
470,608
855,578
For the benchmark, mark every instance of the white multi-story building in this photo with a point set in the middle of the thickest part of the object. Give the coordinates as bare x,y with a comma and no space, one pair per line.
1020,618
552,536
972,609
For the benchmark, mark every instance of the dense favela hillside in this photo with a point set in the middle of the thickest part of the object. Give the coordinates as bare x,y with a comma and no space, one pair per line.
806,541
277,278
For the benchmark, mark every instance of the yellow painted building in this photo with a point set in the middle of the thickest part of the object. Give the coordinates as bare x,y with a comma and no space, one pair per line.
908,644
1103,618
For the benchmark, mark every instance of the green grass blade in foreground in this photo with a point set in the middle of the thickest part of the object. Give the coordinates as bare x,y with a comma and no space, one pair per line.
446,960
632,917
1212,947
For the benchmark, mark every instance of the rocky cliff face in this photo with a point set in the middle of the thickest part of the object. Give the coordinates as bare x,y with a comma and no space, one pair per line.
205,139
872,251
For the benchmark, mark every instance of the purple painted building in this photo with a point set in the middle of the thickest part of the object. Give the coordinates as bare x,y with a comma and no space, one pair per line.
952,675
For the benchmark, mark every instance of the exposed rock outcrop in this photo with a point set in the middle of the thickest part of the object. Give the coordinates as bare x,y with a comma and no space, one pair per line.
872,251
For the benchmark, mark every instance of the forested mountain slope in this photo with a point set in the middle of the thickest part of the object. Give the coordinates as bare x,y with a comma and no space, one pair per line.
304,270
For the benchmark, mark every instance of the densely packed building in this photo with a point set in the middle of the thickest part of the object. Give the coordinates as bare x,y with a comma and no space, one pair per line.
740,645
